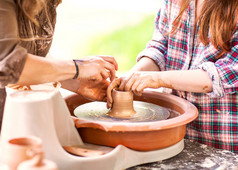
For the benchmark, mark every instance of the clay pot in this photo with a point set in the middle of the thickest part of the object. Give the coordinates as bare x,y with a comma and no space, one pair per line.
17,150
142,136
122,104
38,163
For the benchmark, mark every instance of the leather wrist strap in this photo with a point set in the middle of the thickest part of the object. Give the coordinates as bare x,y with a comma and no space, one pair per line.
77,70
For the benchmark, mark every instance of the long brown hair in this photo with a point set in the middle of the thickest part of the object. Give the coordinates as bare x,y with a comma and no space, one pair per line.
217,18
33,7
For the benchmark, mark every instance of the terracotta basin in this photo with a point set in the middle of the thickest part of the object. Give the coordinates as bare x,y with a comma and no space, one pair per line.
142,136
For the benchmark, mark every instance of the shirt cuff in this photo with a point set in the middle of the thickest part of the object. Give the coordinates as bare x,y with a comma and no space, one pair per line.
154,55
210,68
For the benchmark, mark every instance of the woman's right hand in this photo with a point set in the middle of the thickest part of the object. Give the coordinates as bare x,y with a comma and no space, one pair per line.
97,68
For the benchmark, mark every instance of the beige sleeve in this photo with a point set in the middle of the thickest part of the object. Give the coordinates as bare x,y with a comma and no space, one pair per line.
12,55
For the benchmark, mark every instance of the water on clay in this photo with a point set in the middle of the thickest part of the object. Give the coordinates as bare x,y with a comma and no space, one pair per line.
145,112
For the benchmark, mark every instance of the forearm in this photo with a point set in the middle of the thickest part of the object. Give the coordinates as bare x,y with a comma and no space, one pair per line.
196,81
145,64
39,70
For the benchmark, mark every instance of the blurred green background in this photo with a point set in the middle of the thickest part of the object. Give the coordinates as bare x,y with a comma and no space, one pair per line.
124,44
105,27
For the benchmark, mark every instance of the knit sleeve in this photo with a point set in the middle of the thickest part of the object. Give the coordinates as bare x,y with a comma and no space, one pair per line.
12,55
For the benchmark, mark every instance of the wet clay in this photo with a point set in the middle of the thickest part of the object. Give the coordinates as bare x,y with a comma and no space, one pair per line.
122,106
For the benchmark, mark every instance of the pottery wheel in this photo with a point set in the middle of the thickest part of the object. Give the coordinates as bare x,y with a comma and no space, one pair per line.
145,112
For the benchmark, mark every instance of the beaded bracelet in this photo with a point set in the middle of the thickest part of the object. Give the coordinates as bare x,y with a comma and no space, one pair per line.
77,70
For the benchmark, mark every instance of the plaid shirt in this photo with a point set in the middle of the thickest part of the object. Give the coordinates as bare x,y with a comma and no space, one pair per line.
217,123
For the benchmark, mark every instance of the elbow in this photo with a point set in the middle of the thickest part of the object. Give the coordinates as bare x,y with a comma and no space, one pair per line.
207,89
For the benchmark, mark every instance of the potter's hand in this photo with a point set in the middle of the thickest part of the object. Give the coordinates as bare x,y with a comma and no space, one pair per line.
114,84
139,80
135,81
94,90
97,68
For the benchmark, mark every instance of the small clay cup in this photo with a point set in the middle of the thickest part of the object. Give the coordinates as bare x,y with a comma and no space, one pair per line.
17,150
122,106
37,163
